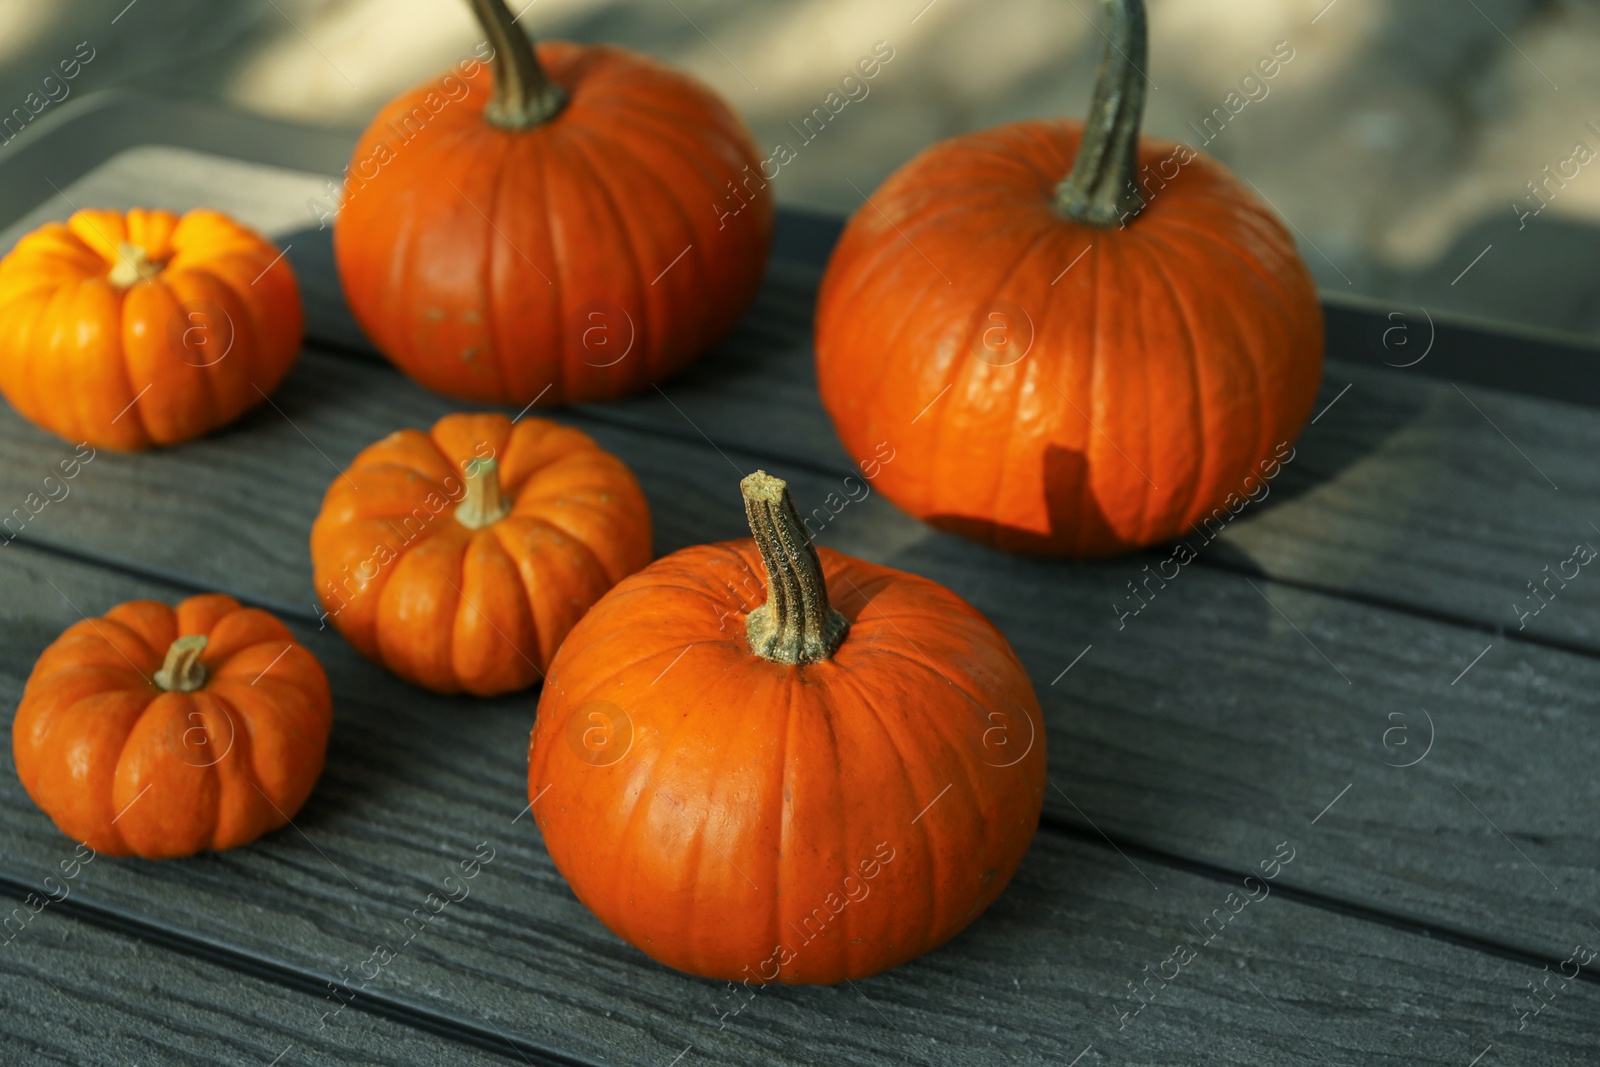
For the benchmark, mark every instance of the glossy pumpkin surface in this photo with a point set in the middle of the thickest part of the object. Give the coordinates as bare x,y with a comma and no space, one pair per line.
752,819
158,732
565,257
140,329
460,557
1060,386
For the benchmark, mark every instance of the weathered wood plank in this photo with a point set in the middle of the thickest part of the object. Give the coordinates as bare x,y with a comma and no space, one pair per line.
74,994
415,783
1193,727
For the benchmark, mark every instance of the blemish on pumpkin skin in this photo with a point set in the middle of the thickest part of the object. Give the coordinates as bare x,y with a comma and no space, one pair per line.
433,314
470,353
471,316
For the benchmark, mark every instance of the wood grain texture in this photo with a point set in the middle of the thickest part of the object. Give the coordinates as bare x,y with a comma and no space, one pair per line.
1225,708
74,993
415,783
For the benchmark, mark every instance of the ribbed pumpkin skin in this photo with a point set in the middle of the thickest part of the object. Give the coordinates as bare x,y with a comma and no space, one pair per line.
158,362
1165,365
129,769
750,789
478,258
455,609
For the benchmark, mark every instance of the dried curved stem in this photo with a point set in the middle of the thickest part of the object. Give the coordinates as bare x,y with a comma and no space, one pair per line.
1100,190
796,625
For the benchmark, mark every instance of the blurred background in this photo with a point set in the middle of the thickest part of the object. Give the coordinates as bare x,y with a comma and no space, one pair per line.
1404,142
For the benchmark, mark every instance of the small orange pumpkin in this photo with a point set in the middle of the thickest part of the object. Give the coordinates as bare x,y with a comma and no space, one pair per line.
144,329
159,732
1069,366
460,558
573,225
810,790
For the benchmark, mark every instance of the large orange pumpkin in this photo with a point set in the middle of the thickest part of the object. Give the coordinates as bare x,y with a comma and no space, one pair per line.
809,789
144,329
459,558
159,732
570,226
1071,366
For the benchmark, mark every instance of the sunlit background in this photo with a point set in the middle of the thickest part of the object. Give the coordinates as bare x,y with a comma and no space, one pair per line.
1399,141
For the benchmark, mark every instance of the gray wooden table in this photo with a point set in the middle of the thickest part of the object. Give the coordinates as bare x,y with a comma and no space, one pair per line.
1341,670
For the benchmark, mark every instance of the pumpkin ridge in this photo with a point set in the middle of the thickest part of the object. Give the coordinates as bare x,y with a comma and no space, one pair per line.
144,648
75,304
629,821
30,311
562,374
1267,279
579,542
635,114
1013,391
500,351
498,533
242,764
243,719
1192,354
691,231
489,540
1265,431
779,867
645,331
911,803
872,395
1087,498
955,750
182,292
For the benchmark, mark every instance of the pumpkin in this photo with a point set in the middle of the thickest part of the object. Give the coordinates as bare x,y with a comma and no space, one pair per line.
561,225
156,731
127,331
808,786
459,558
1074,365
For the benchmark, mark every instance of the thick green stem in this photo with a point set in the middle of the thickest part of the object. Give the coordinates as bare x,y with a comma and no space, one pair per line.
1100,191
796,625
523,94
482,503
182,671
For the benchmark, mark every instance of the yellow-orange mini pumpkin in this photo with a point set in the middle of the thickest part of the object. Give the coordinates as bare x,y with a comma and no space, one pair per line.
144,329
460,558
159,732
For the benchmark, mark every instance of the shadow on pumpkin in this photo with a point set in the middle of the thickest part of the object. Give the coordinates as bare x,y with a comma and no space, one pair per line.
1066,474
1320,455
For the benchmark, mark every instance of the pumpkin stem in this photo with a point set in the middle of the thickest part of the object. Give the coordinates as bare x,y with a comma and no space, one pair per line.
796,625
1100,190
183,670
483,502
523,93
132,266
